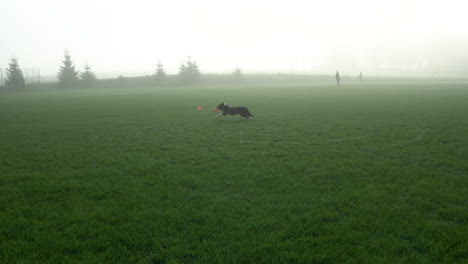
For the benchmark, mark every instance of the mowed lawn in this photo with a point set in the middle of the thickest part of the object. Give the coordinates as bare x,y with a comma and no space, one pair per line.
363,173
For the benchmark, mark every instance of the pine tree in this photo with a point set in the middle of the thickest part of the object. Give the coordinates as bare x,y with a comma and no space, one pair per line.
189,72
88,76
121,79
237,74
160,73
15,78
67,75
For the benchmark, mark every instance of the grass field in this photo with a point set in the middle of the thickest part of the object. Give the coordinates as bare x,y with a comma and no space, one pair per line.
365,173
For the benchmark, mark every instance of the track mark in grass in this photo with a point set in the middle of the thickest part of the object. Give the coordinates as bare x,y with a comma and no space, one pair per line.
398,144
135,134
371,133
417,138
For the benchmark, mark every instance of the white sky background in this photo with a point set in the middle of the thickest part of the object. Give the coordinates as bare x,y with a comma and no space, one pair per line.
128,37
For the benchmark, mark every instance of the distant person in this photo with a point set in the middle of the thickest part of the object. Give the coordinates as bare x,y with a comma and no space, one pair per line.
360,76
337,77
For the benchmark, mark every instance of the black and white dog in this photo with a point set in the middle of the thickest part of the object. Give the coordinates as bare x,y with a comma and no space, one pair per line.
230,110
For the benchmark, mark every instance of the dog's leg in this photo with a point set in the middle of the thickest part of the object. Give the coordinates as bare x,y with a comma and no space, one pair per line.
246,115
247,112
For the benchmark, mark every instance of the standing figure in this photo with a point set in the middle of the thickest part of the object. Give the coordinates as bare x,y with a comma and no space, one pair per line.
337,77
360,76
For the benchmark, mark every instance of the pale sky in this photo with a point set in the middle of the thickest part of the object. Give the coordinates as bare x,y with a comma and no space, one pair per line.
128,37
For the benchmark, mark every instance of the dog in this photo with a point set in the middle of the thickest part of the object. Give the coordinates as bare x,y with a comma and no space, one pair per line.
230,110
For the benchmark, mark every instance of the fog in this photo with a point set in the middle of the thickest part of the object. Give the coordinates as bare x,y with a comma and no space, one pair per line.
377,37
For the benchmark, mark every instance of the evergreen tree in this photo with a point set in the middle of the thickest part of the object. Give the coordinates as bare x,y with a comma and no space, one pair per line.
88,76
121,80
237,74
67,74
15,78
189,72
160,73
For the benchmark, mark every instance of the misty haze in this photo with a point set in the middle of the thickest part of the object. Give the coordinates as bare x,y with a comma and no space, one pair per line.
233,131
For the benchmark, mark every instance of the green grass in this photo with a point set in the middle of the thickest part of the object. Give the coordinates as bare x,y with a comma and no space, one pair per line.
371,173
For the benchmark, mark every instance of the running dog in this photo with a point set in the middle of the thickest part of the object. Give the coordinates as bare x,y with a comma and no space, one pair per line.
230,110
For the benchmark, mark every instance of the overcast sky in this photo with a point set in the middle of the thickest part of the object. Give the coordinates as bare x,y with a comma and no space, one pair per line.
128,37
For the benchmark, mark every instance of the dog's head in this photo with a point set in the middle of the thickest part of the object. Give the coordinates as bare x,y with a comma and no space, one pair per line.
219,107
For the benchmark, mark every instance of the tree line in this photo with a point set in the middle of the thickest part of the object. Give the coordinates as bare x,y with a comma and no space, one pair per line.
69,76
